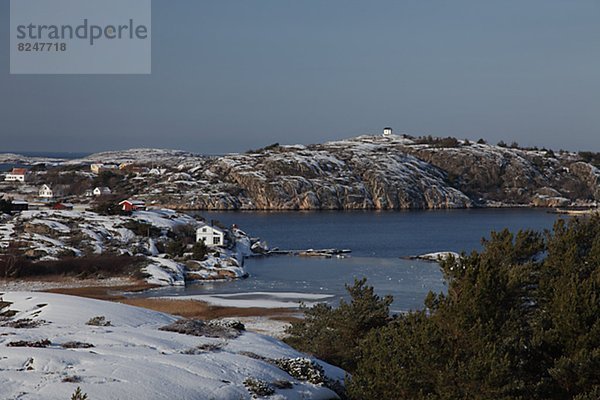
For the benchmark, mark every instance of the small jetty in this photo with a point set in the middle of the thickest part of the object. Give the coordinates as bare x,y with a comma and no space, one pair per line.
325,253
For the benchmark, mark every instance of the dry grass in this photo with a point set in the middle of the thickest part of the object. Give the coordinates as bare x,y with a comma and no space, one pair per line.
201,310
184,308
79,267
112,293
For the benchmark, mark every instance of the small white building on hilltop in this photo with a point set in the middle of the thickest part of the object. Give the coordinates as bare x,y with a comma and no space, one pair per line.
387,131
210,235
16,175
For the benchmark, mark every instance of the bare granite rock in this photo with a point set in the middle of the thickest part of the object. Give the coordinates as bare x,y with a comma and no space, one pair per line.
374,172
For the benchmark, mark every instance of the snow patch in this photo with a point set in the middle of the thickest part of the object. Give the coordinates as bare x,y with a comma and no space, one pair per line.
132,359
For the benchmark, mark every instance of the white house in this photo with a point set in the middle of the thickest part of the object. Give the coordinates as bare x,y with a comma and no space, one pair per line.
46,192
210,235
16,175
102,191
387,131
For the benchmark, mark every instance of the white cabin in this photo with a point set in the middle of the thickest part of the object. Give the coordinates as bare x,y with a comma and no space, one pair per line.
387,131
46,192
16,175
210,235
102,191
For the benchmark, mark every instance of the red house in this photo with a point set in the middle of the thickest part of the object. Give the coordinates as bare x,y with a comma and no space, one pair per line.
132,205
62,206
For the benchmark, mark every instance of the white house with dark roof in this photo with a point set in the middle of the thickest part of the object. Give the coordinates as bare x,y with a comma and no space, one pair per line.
211,235
101,191
46,192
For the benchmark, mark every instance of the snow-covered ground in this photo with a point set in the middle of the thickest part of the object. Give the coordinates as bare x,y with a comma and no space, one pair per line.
163,271
258,299
266,326
48,235
131,358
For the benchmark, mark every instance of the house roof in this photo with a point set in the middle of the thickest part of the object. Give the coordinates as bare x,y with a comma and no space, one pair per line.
133,202
18,171
214,228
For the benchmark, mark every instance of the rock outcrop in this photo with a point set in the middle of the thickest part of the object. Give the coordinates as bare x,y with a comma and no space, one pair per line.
372,172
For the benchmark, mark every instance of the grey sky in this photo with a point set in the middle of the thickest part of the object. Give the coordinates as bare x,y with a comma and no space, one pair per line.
239,74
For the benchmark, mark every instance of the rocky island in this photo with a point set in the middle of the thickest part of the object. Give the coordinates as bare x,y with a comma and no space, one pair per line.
369,172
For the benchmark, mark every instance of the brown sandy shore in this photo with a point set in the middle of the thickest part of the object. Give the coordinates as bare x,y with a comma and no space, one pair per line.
262,320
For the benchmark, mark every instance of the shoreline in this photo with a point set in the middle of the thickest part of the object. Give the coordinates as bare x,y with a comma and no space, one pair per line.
263,320
184,209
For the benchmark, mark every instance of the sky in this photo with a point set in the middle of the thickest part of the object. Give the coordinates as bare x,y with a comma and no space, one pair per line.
233,75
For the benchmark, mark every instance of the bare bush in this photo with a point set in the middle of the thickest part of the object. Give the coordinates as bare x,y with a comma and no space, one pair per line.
213,329
24,343
24,323
76,345
98,321
258,387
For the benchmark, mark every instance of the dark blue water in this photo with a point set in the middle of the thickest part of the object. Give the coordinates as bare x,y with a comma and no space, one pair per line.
377,240
45,154
384,234
8,167
61,155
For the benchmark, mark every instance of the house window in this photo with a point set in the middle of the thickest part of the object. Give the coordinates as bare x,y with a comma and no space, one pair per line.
216,240
203,229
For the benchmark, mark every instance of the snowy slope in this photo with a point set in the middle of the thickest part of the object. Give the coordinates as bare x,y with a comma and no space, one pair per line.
48,235
132,358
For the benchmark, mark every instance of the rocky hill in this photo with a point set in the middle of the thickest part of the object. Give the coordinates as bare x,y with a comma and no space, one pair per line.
366,172
373,172
41,239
